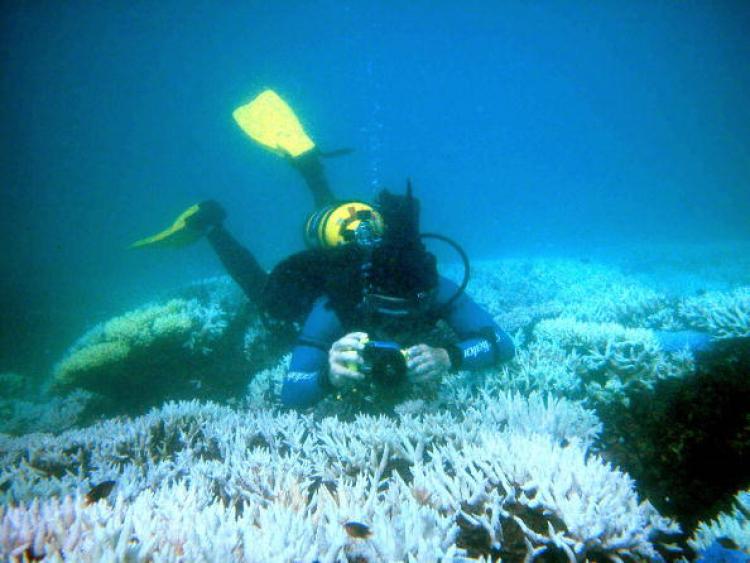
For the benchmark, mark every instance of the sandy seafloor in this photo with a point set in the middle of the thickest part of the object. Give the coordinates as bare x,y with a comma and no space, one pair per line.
158,437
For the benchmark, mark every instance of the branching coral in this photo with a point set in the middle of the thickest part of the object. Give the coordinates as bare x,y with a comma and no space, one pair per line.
207,482
723,315
519,293
544,366
54,414
611,360
472,470
629,304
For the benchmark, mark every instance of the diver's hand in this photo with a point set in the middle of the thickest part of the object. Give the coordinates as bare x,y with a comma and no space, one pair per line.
210,214
345,358
425,363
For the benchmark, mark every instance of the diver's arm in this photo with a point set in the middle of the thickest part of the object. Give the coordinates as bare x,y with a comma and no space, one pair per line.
482,343
306,382
239,262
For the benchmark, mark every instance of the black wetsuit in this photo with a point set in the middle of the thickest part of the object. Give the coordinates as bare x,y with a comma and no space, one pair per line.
326,305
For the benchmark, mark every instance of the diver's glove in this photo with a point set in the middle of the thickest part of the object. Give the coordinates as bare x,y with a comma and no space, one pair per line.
210,214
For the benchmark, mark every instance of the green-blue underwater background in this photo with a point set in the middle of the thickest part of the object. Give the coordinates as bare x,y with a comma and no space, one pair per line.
553,128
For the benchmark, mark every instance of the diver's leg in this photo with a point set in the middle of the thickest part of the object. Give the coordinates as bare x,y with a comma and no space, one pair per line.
239,262
312,171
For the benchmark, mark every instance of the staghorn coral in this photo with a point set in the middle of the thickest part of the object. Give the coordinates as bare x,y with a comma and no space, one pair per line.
537,283
629,304
550,495
734,526
208,482
723,315
521,292
542,366
612,361
52,415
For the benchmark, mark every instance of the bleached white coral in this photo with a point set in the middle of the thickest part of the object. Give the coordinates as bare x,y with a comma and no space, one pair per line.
207,482
543,366
734,526
53,414
722,314
626,303
554,495
610,359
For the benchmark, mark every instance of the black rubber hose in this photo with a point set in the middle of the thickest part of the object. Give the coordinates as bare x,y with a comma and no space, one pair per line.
464,259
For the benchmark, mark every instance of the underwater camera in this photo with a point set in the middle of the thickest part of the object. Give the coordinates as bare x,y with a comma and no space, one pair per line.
385,362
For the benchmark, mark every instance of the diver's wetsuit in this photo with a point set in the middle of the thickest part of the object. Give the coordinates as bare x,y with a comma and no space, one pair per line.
481,342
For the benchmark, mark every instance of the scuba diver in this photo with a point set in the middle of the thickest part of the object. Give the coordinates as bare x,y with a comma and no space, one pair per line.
366,292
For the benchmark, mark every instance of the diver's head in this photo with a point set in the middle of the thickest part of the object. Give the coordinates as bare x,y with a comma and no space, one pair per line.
402,277
398,275
344,223
394,219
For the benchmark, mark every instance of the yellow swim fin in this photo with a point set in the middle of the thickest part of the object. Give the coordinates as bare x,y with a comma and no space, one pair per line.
269,121
179,234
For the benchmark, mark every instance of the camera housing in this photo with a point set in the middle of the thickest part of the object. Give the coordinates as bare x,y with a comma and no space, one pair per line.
385,362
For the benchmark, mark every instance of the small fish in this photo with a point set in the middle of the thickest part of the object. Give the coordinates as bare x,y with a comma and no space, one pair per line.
99,491
727,543
357,530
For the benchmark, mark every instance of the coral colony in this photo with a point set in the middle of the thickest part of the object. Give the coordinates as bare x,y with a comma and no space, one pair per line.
506,464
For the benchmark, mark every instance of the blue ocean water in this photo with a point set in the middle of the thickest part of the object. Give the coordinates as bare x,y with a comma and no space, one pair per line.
526,127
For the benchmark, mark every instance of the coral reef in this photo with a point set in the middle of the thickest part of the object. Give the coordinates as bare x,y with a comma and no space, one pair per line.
687,441
55,414
520,292
732,528
511,463
612,361
514,478
723,315
195,342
